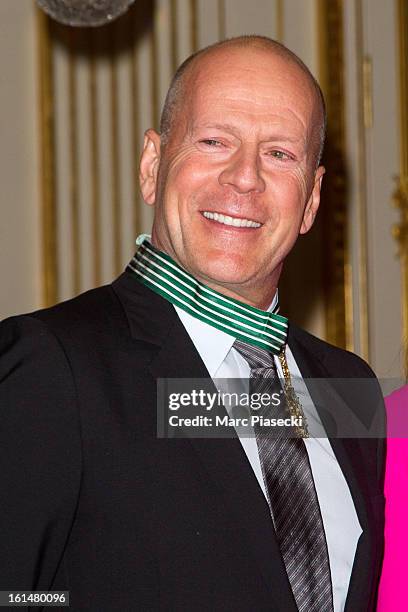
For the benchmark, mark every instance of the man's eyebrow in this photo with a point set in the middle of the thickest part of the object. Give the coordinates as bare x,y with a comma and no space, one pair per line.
278,137
215,126
285,138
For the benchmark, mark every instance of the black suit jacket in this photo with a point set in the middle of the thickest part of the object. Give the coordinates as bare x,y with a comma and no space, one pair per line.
94,503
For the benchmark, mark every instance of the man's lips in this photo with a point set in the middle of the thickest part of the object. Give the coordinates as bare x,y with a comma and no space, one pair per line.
231,221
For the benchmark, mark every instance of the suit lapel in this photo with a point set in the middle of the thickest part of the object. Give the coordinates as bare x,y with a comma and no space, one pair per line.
152,319
350,457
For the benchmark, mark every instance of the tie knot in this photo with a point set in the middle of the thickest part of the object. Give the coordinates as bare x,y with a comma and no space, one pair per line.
260,360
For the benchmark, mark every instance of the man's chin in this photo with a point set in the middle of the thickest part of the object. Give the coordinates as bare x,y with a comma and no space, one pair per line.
219,277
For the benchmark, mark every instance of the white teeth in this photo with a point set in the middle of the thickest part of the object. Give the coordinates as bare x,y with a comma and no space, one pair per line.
227,220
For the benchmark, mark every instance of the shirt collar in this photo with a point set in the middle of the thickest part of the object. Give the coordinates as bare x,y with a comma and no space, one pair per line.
212,344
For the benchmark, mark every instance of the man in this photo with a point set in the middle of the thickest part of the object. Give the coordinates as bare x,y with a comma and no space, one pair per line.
94,502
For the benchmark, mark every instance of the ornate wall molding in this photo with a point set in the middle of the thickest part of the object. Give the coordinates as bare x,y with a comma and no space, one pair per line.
47,160
364,113
400,196
337,283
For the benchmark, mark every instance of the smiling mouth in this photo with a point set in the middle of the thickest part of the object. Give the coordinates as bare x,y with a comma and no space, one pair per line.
233,221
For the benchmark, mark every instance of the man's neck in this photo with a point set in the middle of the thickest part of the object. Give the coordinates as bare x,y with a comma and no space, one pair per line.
258,293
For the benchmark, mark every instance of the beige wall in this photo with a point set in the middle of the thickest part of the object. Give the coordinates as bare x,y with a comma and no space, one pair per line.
19,229
382,154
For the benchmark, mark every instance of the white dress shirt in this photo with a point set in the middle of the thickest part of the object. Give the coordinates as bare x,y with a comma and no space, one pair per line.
340,520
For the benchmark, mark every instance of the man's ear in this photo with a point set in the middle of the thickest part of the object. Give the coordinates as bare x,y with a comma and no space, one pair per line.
149,166
313,202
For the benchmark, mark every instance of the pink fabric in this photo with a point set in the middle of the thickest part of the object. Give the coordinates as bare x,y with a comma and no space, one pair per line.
393,592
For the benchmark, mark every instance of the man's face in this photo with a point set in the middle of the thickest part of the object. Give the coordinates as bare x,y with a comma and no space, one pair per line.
236,182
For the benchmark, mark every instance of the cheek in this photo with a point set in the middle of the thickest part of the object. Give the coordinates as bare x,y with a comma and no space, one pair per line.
186,175
179,199
290,190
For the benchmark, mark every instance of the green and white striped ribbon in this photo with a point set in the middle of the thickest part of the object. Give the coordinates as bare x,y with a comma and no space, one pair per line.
158,271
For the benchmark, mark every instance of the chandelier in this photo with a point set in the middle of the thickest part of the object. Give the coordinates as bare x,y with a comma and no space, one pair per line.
84,12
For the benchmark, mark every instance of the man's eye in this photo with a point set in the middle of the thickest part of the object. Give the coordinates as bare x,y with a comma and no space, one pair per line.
279,155
211,142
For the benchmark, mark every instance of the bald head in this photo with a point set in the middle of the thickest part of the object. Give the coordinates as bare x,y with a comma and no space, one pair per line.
186,72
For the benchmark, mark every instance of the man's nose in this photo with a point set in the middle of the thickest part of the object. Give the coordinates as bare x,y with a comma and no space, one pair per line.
242,172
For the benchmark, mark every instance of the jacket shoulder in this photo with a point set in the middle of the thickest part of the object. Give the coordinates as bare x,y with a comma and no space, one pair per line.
94,318
95,310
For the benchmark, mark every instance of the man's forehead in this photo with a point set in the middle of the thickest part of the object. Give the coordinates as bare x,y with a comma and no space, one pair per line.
240,74
215,94
231,60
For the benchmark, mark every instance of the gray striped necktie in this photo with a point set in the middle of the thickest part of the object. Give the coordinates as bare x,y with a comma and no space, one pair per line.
292,498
